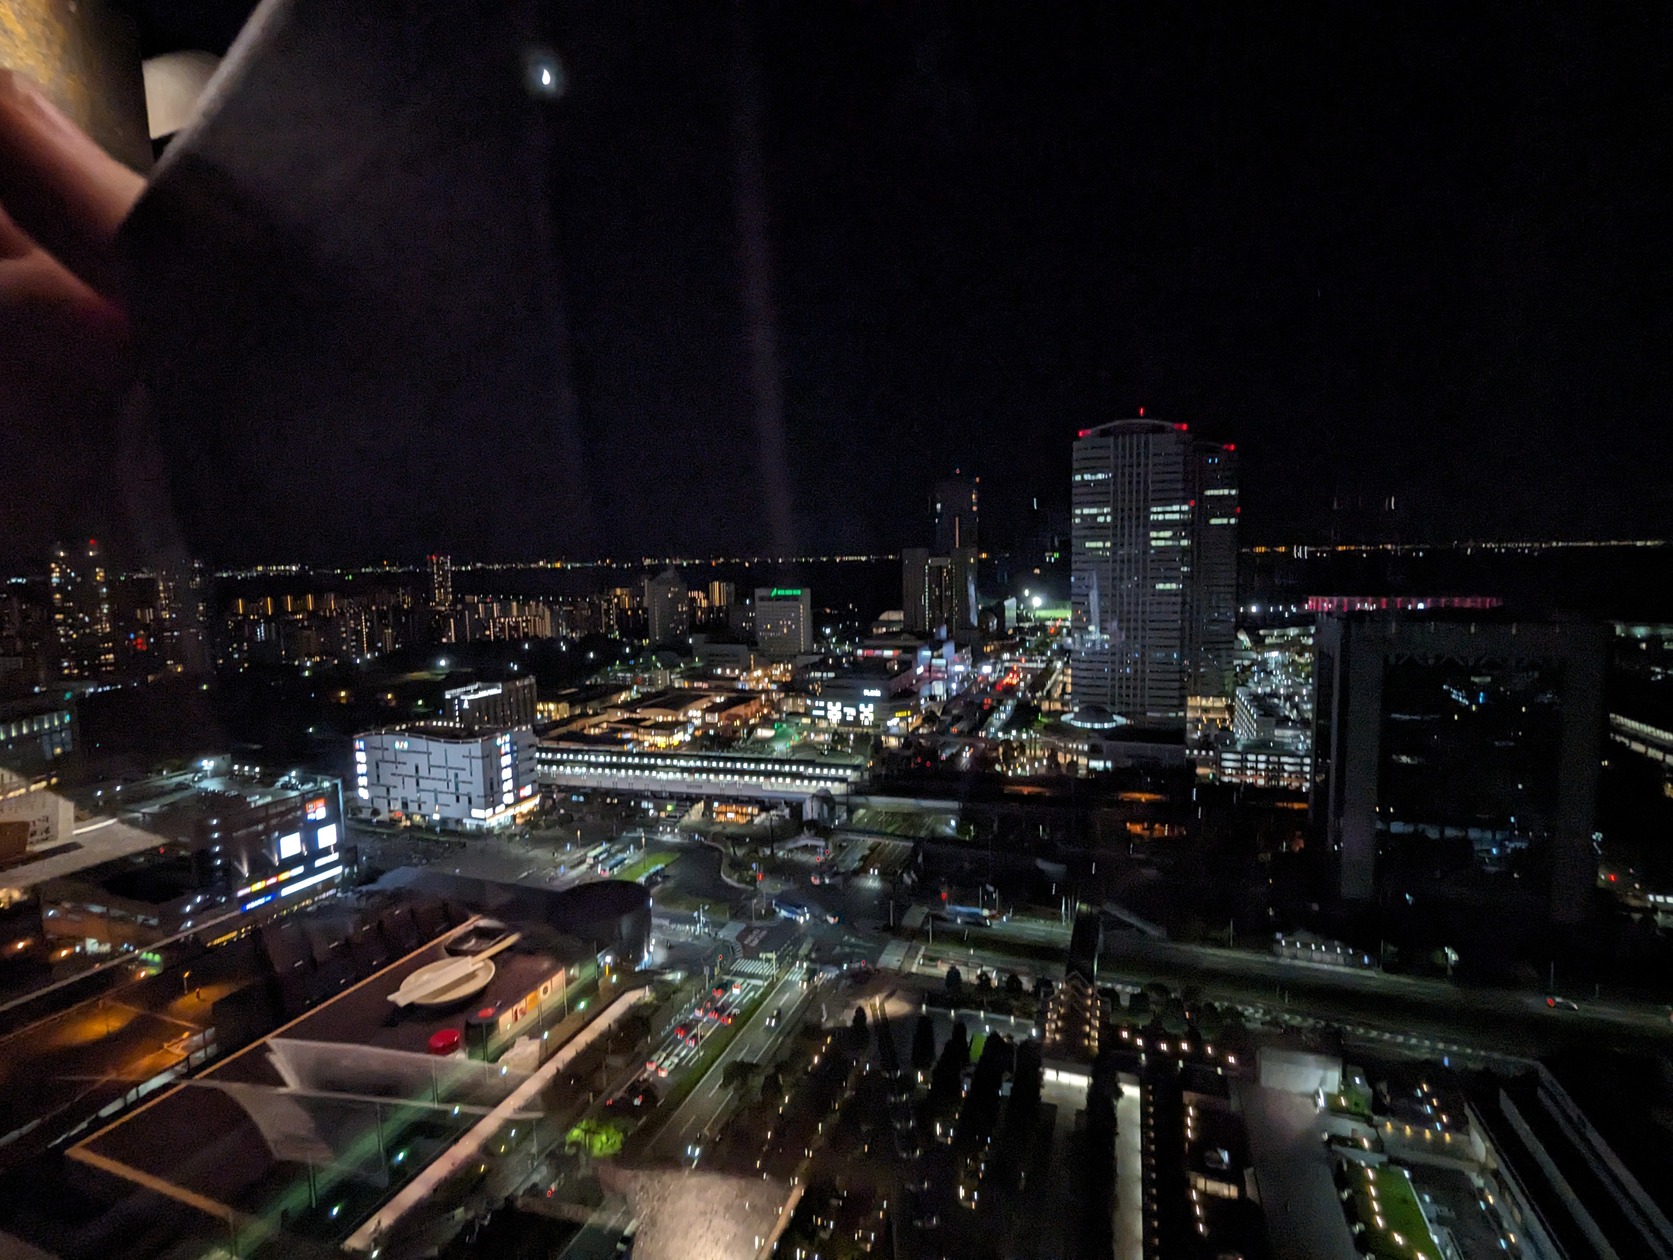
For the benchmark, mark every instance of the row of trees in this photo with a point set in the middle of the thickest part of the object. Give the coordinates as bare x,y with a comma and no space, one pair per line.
1010,983
1094,1165
1022,1112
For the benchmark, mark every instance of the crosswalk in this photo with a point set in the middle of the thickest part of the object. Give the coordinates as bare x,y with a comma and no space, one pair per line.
760,968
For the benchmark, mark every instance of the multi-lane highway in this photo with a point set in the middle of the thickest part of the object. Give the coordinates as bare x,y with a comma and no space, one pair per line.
756,1042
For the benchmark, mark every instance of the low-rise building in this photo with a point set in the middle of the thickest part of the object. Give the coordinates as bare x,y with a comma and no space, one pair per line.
47,816
183,851
486,705
580,764
444,776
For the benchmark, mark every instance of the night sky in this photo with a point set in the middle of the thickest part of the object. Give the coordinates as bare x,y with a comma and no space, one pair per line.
1388,250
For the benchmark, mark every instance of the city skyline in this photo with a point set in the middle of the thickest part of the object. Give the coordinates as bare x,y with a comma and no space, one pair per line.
869,628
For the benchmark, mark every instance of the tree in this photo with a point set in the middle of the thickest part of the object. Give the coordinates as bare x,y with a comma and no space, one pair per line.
738,1073
859,1020
955,981
984,981
772,1085
598,1138
923,1045
960,1041
1013,984
945,1081
1173,1020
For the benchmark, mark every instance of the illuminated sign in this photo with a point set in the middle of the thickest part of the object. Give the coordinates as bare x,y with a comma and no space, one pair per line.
326,837
316,810
531,1004
270,881
785,592
318,877
290,845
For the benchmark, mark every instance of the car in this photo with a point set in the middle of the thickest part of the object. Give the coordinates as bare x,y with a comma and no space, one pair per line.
831,917
638,1095
1562,1004
778,1014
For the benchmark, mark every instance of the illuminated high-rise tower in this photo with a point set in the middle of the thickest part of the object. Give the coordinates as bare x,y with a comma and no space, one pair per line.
441,582
955,516
81,612
1153,581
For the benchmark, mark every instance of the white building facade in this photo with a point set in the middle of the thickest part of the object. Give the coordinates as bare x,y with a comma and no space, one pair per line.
442,777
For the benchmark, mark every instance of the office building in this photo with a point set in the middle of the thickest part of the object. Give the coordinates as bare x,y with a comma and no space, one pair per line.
28,646
1211,621
490,706
1153,586
955,516
784,620
722,595
441,582
46,818
1048,537
229,841
725,656
158,619
442,776
81,615
939,591
922,588
501,620
1460,757
1267,735
355,1063
872,694
37,732
667,607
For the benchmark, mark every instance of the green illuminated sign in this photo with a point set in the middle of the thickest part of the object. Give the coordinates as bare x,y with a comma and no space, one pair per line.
785,592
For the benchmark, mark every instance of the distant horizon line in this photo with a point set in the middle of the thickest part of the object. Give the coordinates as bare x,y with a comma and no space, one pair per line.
1299,549
649,562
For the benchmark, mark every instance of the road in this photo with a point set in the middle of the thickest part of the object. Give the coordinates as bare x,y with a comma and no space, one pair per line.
598,1237
1431,1014
1504,1021
754,1042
